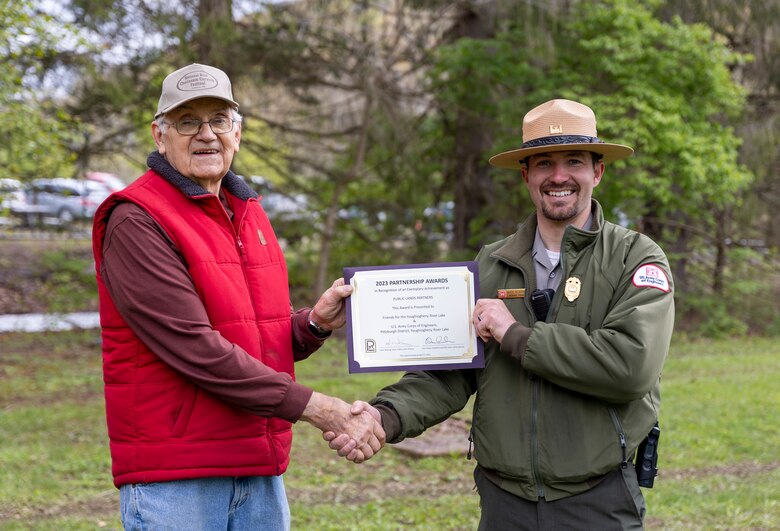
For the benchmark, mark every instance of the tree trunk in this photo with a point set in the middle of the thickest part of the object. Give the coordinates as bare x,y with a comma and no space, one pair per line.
470,177
473,187
329,230
721,218
216,32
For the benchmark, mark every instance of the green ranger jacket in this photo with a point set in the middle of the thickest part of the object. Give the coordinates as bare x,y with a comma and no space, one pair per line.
564,401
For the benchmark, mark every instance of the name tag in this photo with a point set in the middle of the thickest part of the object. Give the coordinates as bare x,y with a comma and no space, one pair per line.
516,293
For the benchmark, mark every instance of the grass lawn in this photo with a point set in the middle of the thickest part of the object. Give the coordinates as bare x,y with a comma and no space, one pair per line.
720,468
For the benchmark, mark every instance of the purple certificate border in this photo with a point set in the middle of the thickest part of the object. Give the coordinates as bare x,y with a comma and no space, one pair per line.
477,362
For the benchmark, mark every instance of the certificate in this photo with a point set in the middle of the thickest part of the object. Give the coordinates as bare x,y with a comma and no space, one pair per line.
413,317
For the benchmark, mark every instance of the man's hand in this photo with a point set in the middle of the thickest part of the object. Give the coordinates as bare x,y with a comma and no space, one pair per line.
341,443
360,434
330,312
491,319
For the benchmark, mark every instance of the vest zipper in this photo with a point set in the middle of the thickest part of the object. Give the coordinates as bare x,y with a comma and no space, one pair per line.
242,257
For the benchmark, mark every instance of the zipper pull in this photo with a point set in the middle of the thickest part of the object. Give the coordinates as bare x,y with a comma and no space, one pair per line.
623,445
240,244
471,441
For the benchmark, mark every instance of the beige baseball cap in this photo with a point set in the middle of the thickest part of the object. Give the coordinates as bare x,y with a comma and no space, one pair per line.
193,82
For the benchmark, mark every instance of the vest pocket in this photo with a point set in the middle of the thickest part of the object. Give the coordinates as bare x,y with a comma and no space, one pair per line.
181,412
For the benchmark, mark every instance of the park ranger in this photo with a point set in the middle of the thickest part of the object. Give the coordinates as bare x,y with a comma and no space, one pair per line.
577,315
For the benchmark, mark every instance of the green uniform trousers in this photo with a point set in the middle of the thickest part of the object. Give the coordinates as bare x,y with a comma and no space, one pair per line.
614,503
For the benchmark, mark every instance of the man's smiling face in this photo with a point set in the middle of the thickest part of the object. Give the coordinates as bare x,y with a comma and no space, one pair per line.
561,183
204,157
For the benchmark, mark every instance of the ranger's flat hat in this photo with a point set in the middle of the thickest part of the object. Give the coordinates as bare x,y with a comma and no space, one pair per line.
559,125
193,82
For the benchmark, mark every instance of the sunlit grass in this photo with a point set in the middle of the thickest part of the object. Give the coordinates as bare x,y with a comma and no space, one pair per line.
719,466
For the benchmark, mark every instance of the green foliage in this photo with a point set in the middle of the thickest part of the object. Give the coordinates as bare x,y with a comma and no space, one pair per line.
388,213
659,84
665,89
69,279
484,83
37,134
748,299
261,153
720,323
47,276
468,74
301,250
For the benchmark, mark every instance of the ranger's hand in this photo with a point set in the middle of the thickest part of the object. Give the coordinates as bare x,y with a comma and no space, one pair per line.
491,319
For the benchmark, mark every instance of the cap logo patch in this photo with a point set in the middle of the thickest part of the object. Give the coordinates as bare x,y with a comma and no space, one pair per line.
556,129
197,81
651,276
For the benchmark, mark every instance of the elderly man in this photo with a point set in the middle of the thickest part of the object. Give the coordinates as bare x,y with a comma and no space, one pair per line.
198,335
577,315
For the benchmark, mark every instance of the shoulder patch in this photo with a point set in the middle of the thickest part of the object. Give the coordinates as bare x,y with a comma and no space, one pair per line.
651,276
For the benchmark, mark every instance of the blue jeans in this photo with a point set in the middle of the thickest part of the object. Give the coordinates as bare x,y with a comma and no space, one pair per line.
206,504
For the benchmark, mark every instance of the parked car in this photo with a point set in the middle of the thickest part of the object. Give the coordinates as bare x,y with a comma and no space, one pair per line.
97,191
12,200
11,194
279,207
109,180
64,201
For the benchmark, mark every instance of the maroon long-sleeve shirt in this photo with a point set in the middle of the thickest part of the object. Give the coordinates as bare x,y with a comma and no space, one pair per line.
140,259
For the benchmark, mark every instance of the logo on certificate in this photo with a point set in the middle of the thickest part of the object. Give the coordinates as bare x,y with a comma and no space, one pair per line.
370,345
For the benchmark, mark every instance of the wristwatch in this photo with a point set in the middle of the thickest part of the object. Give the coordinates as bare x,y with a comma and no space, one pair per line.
316,329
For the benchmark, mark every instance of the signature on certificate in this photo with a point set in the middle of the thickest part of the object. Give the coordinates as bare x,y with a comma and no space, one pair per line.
437,340
397,343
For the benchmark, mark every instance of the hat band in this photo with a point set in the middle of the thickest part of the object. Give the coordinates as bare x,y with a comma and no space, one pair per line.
561,139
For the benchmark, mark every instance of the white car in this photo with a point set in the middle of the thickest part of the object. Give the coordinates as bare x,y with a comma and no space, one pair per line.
12,200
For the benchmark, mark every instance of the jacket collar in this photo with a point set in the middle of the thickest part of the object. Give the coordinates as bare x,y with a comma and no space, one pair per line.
230,182
575,239
519,246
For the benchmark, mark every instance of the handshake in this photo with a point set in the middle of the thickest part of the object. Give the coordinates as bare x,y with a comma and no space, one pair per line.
355,431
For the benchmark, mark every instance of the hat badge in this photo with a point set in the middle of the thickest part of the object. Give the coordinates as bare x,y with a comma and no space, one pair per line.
556,129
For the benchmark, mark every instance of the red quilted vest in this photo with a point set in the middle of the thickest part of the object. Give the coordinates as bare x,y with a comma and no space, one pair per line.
162,427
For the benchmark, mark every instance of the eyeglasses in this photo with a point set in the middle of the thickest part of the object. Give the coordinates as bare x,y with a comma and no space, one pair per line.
190,126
